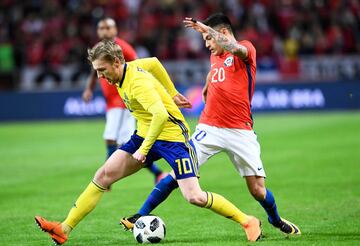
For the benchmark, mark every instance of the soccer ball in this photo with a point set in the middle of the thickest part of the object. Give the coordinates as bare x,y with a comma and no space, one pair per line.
149,229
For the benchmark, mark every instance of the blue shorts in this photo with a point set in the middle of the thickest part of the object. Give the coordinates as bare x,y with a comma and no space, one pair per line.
181,156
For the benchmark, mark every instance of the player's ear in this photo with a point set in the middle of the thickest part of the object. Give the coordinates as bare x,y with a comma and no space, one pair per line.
117,62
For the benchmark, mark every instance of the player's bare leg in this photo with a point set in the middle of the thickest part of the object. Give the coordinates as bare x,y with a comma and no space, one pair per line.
121,164
192,192
256,186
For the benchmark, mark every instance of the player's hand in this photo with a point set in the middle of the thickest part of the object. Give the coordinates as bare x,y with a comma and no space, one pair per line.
181,101
196,25
140,157
87,95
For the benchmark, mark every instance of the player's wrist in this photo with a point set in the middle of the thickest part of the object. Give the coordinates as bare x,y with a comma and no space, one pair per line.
174,94
142,150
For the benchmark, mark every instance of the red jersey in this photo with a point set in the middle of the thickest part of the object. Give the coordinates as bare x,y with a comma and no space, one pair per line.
231,87
112,98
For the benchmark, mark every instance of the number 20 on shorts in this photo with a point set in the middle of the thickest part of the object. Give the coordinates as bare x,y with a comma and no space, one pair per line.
184,165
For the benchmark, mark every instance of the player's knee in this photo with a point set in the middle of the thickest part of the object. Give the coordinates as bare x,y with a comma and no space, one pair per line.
99,176
197,199
103,177
258,192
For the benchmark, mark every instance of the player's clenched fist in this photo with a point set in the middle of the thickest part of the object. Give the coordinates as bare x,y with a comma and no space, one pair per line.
139,156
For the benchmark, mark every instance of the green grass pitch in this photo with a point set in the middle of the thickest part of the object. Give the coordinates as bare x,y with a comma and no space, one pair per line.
312,161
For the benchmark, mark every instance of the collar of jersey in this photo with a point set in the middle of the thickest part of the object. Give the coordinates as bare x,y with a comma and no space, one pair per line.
123,77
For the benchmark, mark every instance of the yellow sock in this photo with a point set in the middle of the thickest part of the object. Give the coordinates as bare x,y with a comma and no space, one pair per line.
84,204
221,206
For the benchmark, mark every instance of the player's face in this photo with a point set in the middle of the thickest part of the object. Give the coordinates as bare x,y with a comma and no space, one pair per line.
210,43
106,31
108,71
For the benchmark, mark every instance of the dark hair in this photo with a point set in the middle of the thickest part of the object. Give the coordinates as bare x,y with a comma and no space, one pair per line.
218,20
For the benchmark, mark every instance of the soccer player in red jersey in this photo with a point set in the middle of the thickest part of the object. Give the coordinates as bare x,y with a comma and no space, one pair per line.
226,122
120,125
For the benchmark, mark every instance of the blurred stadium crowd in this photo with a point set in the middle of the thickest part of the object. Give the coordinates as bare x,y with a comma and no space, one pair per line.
54,33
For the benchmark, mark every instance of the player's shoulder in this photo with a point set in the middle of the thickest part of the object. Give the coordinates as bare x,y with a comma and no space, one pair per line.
250,48
248,44
137,73
136,68
141,62
133,63
120,41
245,42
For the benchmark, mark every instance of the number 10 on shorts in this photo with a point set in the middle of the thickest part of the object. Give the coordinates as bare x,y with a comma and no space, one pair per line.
184,165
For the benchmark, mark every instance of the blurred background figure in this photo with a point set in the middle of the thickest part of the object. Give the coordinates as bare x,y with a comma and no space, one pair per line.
43,44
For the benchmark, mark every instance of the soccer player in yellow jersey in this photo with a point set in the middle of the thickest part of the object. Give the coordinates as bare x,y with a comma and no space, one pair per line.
162,132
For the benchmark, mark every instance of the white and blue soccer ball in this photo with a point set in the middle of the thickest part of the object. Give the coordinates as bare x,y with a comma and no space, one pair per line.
149,229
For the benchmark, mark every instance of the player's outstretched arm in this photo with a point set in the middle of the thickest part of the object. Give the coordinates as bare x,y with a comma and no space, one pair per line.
225,42
154,66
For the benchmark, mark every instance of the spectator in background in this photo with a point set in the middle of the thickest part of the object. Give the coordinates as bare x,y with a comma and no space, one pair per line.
276,28
7,64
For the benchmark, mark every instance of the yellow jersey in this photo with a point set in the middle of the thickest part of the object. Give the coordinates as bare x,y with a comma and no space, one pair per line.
144,83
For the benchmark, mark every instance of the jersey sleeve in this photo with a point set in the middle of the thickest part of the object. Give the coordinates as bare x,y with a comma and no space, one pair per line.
157,124
154,66
128,51
251,51
149,98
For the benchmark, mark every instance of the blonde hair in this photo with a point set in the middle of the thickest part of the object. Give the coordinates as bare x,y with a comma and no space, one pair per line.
106,50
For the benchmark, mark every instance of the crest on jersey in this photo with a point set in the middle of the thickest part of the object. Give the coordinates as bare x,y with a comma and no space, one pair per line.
229,61
140,69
